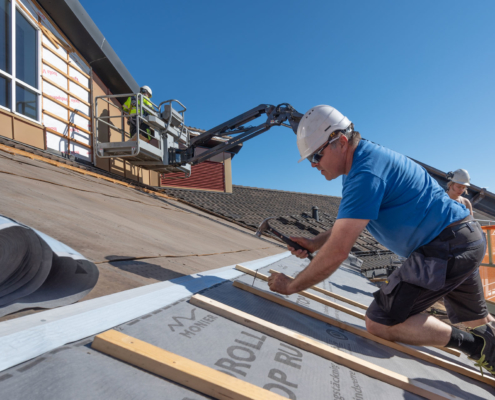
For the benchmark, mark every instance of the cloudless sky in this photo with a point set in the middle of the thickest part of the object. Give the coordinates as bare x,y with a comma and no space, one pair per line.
415,76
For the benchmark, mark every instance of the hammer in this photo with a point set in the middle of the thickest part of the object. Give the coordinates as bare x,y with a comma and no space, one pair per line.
265,226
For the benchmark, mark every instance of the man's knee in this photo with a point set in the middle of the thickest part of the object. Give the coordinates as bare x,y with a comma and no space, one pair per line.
376,329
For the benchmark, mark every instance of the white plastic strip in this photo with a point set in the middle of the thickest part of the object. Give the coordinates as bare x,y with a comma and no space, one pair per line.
6,224
27,337
60,248
57,247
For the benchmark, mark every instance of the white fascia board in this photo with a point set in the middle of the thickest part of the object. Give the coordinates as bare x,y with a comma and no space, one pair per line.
27,337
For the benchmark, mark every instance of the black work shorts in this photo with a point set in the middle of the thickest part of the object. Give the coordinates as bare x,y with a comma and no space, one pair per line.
446,267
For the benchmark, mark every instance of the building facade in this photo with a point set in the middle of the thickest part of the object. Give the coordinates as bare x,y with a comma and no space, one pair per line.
54,63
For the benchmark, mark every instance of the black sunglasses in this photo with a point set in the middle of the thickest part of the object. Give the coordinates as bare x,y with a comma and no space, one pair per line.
316,157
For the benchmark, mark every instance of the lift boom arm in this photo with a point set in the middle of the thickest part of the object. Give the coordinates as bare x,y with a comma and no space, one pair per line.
276,116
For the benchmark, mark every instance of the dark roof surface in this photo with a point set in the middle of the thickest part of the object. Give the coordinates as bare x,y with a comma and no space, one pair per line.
293,215
250,205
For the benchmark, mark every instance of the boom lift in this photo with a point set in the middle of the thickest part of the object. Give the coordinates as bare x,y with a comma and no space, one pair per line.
169,132
174,149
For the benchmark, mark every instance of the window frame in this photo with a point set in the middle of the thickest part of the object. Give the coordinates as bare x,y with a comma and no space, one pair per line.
5,73
14,81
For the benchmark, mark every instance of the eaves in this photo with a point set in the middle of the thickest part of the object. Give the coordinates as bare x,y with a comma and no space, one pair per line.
80,29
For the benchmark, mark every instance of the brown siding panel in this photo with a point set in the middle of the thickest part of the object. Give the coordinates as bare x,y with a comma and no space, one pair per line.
207,175
154,178
29,133
6,126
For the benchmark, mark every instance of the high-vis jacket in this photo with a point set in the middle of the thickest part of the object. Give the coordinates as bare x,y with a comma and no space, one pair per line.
131,104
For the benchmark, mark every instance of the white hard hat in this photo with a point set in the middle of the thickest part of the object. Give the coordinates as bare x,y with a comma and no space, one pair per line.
148,89
461,176
316,126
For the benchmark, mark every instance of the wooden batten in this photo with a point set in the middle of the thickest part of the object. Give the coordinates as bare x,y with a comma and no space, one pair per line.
331,303
72,65
66,122
66,75
331,294
178,369
365,334
67,46
320,349
66,106
69,93
307,294
66,137
315,288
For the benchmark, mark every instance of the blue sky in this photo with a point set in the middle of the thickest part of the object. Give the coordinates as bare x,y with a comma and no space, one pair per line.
415,76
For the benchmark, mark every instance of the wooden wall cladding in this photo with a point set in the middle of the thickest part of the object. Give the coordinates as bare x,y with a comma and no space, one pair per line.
66,89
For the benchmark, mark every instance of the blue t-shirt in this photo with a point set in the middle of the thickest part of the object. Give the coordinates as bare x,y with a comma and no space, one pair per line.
406,207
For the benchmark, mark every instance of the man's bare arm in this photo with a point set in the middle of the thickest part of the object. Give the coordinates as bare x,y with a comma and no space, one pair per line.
333,252
322,238
311,244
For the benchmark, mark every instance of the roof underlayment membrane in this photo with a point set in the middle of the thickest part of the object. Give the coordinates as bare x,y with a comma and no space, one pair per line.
48,355
73,370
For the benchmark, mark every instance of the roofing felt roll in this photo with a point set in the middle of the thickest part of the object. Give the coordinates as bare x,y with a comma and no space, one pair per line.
26,260
39,271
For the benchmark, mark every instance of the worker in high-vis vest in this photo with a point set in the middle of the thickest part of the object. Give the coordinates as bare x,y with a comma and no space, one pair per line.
130,107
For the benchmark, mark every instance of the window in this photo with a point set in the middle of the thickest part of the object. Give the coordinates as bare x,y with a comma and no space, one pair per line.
4,92
26,102
5,44
5,41
19,62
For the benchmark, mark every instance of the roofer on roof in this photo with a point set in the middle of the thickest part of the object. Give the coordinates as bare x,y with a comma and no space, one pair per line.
130,107
406,210
459,180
